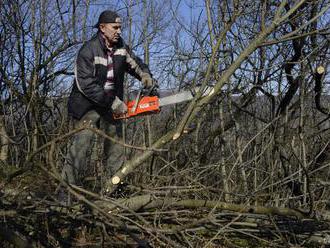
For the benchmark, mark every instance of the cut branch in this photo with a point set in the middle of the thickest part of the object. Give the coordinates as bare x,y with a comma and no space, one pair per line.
148,202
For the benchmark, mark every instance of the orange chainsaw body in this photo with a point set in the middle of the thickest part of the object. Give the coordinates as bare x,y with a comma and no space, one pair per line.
145,105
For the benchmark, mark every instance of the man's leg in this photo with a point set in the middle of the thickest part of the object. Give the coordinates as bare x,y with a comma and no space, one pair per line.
113,153
80,148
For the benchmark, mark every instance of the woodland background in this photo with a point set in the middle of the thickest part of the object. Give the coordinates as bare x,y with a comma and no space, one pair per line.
247,166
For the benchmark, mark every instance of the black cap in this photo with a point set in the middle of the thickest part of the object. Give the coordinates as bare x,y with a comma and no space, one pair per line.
107,16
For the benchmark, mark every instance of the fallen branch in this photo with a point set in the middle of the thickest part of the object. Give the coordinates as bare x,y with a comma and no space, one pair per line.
148,201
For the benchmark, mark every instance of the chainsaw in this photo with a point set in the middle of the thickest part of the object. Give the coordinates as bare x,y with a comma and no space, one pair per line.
148,101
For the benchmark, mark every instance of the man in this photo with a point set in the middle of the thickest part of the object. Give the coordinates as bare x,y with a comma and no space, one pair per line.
97,93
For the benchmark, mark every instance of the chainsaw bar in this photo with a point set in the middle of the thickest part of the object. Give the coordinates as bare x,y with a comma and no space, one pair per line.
183,96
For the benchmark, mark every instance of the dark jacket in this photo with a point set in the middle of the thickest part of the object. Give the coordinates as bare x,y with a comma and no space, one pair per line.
91,74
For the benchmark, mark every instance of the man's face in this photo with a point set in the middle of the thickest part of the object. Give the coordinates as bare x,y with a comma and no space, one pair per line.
111,31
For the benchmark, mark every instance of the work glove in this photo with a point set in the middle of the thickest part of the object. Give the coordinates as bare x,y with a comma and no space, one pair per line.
147,80
152,91
118,106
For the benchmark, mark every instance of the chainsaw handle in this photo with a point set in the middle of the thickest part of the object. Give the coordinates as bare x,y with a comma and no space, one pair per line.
151,91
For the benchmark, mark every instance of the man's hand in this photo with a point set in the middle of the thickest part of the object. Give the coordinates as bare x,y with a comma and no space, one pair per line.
118,107
147,80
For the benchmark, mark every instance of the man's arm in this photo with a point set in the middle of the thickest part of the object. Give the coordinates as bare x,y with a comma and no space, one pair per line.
135,65
87,82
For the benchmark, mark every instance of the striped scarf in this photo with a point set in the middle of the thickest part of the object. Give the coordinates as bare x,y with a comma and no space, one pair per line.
109,86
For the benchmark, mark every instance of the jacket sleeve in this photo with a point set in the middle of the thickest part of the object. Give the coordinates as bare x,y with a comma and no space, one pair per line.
135,65
86,81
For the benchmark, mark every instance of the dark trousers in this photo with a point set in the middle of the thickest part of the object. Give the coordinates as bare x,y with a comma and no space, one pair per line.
82,146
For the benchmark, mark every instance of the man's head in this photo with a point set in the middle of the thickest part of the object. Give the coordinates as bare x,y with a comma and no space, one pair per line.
109,24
